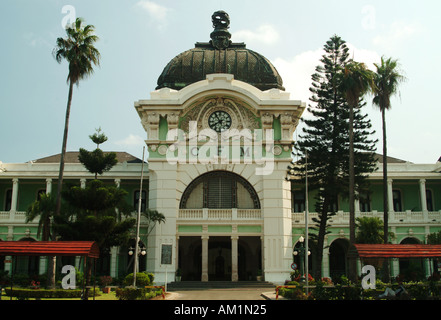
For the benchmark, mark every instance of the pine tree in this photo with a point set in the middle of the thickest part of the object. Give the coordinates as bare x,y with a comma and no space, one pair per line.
325,138
93,208
97,162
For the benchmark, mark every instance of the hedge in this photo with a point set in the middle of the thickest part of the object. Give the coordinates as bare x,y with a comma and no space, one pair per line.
47,293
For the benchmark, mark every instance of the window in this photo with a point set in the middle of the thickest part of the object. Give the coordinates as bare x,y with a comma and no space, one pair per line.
429,200
143,200
396,195
365,202
8,200
298,201
219,190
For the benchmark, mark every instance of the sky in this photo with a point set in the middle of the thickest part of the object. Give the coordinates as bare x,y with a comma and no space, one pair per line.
139,37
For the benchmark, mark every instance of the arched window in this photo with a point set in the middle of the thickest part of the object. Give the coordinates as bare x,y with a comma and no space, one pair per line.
220,190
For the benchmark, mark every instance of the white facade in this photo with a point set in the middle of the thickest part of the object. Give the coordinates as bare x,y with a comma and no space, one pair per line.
270,221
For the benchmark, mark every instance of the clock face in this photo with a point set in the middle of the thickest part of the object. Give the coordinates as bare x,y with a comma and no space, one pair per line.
219,121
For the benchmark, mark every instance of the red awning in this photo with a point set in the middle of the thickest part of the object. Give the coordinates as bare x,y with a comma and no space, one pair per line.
398,250
49,248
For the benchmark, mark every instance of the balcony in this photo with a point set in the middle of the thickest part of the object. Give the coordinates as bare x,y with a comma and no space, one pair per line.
11,216
395,218
219,214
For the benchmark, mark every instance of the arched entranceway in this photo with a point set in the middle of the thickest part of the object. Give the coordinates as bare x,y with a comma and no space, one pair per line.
338,258
411,269
219,254
127,258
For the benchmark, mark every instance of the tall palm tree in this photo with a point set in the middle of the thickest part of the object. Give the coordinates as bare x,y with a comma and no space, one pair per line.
387,79
356,81
79,51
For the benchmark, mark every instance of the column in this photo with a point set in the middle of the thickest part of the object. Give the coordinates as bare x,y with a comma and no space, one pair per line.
48,185
423,194
14,201
325,261
204,276
42,267
234,258
114,262
390,195
177,254
118,183
395,267
83,183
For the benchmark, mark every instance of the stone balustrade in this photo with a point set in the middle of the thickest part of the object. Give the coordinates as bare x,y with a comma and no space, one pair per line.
404,217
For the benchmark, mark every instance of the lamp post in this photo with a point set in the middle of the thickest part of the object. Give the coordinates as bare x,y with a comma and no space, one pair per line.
301,253
138,251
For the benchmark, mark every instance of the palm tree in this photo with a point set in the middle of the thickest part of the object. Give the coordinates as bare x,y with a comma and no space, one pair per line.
387,78
153,217
356,81
43,208
79,51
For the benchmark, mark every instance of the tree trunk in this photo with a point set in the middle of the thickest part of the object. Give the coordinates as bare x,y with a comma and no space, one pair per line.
52,262
386,276
63,150
320,243
352,261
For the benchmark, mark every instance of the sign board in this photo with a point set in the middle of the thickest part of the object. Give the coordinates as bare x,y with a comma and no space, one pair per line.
293,266
166,254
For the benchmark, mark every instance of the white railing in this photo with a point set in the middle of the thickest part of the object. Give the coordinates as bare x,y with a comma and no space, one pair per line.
394,217
220,214
11,216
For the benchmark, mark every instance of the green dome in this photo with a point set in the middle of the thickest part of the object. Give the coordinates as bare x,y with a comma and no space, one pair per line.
220,55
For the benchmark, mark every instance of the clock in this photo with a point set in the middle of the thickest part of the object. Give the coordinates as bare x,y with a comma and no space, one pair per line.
219,121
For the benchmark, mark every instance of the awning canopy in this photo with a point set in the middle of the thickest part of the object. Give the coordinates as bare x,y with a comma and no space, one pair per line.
49,248
398,250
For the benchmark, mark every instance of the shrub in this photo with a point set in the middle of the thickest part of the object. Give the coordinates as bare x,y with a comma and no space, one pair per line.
132,293
106,280
142,279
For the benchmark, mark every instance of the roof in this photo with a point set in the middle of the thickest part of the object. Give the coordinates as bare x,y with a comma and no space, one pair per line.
220,55
72,157
398,250
379,158
50,248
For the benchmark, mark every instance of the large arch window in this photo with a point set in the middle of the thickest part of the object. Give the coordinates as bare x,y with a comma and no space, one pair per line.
220,190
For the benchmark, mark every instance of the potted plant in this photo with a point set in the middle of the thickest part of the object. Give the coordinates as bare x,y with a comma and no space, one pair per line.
178,275
259,275
105,282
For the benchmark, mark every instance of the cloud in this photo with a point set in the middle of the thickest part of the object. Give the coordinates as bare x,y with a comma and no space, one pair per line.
131,141
265,34
157,12
398,33
296,72
33,40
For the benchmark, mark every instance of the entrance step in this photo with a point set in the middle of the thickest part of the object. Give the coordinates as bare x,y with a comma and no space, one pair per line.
192,285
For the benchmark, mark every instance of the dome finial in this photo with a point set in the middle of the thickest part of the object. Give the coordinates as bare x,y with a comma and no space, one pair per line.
220,37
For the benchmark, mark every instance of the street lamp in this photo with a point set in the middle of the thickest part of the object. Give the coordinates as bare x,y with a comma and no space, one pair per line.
301,253
141,251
